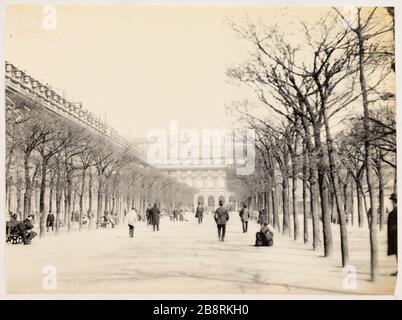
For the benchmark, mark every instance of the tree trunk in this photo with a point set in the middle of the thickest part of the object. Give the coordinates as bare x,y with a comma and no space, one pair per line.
360,210
268,201
296,231
99,207
90,183
58,199
275,214
285,203
81,196
311,161
42,199
381,191
68,201
65,206
28,186
323,189
352,203
305,211
367,151
337,195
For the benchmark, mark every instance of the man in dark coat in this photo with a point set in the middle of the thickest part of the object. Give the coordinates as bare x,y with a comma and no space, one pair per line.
148,215
221,217
24,229
50,221
244,216
155,215
199,213
392,232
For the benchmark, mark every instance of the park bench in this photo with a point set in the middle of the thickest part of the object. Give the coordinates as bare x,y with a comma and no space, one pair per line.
14,238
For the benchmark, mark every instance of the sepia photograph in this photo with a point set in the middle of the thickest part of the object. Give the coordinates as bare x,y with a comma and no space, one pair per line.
218,150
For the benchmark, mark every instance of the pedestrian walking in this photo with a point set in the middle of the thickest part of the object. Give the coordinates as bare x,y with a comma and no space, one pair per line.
50,221
131,219
221,218
244,217
392,230
199,213
155,217
148,215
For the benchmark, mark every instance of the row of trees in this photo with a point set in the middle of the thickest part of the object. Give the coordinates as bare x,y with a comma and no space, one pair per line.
69,164
324,116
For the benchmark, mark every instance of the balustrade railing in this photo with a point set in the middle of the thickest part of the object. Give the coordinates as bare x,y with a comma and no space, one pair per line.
23,82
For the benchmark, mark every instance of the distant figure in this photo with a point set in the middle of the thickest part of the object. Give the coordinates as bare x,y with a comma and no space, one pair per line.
131,218
24,229
175,215
265,237
148,215
392,232
263,216
90,215
199,213
221,217
244,216
50,221
107,220
155,216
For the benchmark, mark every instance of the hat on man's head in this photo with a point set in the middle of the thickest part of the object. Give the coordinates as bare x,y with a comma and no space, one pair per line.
220,202
393,196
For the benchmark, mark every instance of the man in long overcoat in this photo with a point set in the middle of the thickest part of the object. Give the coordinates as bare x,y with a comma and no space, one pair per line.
244,216
199,213
155,215
392,232
148,215
50,221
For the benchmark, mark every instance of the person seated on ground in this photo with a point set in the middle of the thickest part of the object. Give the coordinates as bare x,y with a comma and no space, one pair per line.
24,229
266,236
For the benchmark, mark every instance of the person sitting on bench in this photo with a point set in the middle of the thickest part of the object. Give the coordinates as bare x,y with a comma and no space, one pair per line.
24,229
266,236
10,225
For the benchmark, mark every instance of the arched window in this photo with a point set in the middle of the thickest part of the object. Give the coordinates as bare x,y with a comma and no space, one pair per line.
232,203
211,201
200,199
